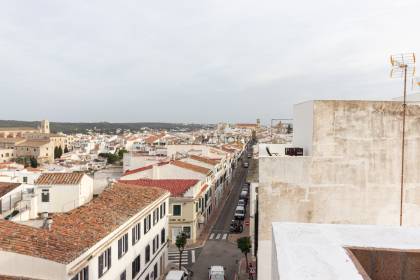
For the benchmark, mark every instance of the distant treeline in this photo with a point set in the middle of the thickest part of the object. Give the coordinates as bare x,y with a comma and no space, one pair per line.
104,127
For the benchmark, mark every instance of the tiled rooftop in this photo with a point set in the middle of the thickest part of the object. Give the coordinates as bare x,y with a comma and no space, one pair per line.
74,232
190,166
7,187
59,179
205,159
177,187
32,143
140,169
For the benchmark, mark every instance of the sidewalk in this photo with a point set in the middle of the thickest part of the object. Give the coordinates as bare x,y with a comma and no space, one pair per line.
242,273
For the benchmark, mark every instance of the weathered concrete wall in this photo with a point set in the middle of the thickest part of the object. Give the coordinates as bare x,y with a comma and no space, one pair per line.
353,175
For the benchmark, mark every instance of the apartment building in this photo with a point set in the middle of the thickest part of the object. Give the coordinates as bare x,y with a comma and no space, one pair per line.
188,204
122,234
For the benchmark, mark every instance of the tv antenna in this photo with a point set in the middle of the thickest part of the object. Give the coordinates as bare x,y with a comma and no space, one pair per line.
403,65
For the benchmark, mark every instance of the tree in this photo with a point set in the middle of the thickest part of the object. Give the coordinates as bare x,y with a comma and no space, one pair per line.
244,244
66,149
181,241
110,158
59,151
55,152
121,153
34,162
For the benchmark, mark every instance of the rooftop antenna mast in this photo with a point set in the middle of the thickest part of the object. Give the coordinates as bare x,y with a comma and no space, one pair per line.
403,65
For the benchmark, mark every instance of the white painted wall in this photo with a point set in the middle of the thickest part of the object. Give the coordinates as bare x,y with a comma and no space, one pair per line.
303,126
64,198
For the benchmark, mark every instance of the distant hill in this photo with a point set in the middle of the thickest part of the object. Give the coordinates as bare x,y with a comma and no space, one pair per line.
104,127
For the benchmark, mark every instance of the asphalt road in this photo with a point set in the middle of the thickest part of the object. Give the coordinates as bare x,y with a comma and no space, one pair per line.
221,251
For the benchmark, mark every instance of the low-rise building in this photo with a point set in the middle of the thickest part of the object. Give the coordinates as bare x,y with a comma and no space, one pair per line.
122,234
42,150
62,192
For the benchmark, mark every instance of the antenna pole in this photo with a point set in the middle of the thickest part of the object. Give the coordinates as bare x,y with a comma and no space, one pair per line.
403,145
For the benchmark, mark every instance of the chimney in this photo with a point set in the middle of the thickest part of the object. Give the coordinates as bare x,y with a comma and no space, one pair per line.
49,223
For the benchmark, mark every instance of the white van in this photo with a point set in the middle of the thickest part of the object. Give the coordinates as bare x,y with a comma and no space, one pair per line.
176,275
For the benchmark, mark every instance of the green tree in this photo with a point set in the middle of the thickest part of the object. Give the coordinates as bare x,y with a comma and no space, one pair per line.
181,241
55,152
244,244
34,162
59,152
110,158
66,149
121,153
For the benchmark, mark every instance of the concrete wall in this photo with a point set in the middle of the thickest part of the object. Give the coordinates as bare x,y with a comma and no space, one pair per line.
353,175
303,126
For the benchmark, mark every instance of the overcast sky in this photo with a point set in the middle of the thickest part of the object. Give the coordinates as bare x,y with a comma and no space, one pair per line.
196,60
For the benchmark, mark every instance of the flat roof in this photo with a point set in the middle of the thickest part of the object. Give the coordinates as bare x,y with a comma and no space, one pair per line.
319,251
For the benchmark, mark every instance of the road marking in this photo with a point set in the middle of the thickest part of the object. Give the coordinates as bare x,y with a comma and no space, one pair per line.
224,236
218,235
211,236
193,256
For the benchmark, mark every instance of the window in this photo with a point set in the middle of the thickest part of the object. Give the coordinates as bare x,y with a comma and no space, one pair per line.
122,245
155,216
25,179
155,271
45,195
162,236
161,211
147,254
176,210
147,223
155,243
82,274
187,231
196,207
164,208
135,267
104,262
136,231
123,276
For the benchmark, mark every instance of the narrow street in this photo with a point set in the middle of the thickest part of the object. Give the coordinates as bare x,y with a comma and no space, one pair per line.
218,250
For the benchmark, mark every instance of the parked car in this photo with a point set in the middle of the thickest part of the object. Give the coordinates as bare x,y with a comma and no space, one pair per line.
245,164
242,202
249,155
239,213
236,226
176,275
217,272
244,194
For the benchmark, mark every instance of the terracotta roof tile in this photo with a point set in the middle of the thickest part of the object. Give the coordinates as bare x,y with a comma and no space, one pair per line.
7,187
74,232
205,159
59,178
177,187
190,166
140,169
